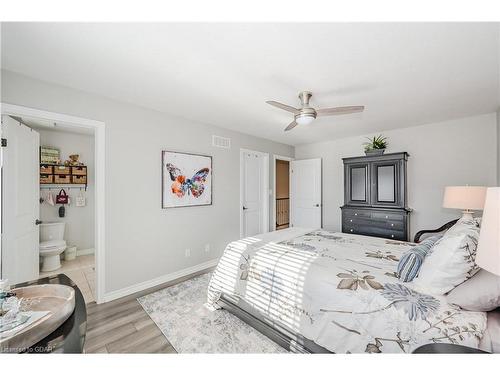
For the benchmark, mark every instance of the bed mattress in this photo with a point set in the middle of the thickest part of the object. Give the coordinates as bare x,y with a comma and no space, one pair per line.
339,291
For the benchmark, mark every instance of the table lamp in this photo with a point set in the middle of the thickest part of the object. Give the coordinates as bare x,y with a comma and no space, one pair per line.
466,198
488,248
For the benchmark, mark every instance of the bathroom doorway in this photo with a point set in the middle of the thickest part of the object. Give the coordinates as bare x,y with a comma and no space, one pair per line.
51,200
281,199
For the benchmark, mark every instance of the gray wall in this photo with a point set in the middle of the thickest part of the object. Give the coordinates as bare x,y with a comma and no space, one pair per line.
79,220
457,152
498,147
144,241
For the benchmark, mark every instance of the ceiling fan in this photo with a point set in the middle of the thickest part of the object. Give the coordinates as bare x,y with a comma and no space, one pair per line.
306,114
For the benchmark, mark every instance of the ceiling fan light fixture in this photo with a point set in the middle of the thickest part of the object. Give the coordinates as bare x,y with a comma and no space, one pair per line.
306,114
305,119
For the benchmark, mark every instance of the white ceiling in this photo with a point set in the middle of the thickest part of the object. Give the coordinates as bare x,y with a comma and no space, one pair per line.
222,74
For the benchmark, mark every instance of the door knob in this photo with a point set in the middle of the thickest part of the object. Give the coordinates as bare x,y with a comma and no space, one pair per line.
316,205
38,222
245,208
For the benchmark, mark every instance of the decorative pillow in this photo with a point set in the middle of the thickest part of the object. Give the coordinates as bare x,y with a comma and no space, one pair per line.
465,223
480,293
410,263
452,260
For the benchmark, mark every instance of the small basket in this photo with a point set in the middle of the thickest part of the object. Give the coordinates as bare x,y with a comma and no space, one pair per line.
62,179
46,178
62,169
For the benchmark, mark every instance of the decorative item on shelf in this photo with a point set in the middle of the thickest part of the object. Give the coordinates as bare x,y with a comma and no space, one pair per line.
50,155
488,248
73,160
466,198
376,146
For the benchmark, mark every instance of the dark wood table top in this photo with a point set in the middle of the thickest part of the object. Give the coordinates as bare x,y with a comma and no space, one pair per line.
70,336
442,348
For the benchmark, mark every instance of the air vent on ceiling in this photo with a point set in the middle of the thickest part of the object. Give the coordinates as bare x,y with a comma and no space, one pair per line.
221,142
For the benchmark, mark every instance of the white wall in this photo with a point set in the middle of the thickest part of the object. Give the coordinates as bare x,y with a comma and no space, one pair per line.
144,241
79,221
456,152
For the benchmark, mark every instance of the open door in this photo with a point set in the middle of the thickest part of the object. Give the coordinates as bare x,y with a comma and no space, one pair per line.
305,193
20,202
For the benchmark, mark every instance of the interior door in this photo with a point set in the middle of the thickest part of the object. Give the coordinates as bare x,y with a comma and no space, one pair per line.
252,194
20,202
305,193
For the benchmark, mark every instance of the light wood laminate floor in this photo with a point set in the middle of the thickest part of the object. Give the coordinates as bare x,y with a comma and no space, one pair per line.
122,325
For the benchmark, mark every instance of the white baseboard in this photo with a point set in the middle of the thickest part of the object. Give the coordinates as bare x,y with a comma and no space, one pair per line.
110,296
85,251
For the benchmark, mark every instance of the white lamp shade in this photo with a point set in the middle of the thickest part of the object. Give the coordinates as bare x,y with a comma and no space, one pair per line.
488,248
464,197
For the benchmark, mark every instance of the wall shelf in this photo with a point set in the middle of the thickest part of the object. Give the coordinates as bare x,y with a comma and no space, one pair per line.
63,186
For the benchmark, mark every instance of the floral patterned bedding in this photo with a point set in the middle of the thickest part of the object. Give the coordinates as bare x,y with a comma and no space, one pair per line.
340,291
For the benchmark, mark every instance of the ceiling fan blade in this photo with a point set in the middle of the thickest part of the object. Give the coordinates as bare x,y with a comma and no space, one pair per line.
283,106
340,110
292,125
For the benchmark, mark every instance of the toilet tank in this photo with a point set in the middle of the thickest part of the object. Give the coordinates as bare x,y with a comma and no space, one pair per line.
51,231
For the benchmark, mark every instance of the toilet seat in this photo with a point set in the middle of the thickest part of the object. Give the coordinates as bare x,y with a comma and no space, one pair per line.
52,245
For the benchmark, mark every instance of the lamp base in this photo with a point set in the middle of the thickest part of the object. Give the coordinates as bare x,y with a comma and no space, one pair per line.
467,214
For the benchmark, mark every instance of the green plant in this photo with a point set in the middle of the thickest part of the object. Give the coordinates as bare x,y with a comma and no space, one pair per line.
376,143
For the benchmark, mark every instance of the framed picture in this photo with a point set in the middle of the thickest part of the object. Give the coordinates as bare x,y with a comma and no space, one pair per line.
186,179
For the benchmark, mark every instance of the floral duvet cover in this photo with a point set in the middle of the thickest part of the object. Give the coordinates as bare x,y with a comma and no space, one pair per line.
340,291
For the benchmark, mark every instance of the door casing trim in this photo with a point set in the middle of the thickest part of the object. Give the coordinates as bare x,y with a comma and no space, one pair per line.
288,159
100,152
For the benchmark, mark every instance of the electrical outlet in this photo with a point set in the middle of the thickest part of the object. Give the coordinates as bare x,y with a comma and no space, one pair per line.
188,253
207,248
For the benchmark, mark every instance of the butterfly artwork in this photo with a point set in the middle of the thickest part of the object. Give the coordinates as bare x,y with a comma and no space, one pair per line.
182,185
187,179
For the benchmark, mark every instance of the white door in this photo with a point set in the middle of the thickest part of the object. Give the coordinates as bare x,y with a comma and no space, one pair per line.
254,185
305,193
20,202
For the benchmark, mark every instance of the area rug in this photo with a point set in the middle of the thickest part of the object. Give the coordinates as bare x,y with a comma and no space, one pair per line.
191,327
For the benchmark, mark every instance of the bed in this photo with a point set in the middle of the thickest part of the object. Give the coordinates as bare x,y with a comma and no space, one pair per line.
317,291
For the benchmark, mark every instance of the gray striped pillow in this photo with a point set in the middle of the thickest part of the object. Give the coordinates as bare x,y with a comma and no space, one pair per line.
410,263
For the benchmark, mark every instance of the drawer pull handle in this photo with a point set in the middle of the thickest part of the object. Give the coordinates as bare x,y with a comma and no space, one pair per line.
352,230
392,224
392,235
350,220
355,214
387,217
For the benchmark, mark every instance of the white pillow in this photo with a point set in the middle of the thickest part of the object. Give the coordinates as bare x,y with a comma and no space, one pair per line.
479,293
465,223
452,260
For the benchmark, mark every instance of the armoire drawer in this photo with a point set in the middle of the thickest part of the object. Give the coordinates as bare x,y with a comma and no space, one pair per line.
391,216
354,213
376,232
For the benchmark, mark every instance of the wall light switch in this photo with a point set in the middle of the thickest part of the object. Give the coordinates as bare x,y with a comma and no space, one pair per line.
207,248
188,253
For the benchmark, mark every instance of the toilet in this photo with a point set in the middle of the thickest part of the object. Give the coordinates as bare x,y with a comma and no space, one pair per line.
52,245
